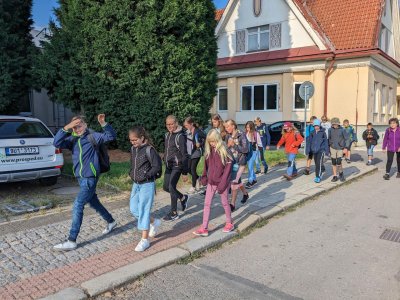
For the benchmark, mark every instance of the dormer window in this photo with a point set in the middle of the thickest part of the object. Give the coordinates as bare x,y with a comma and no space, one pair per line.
258,38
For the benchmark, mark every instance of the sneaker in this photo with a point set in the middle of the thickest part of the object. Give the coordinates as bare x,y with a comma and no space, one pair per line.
232,207
192,190
110,227
184,202
369,163
154,227
317,180
348,160
307,171
228,228
258,172
334,179
265,170
288,178
254,183
386,176
294,175
245,198
143,245
341,177
172,216
66,246
203,192
248,185
201,232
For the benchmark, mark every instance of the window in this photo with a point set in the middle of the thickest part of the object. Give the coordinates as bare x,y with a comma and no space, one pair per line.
298,101
384,99
222,99
260,97
384,39
258,38
16,129
376,97
391,103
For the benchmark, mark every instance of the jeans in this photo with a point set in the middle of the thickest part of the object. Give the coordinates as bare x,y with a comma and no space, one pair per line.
390,156
250,166
370,150
193,162
171,178
211,190
291,157
87,194
260,156
141,202
319,163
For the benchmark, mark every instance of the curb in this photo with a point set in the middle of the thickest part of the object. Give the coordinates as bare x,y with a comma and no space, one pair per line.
129,273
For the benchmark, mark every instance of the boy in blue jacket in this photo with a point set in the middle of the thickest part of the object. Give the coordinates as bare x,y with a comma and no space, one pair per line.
77,138
317,144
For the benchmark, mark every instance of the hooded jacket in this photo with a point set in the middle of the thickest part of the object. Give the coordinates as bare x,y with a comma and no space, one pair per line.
317,142
216,173
338,138
175,154
292,141
142,169
84,157
391,141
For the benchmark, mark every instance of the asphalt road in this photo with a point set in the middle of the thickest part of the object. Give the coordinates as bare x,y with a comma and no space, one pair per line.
330,248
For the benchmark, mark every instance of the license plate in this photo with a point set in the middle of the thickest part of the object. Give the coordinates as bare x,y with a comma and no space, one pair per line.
22,151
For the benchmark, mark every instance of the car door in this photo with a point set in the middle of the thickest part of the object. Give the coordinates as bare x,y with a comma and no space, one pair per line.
275,130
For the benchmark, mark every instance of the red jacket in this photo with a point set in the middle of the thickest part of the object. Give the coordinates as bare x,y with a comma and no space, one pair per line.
292,141
215,173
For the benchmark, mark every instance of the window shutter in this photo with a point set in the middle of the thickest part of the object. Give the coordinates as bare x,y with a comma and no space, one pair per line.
275,36
240,41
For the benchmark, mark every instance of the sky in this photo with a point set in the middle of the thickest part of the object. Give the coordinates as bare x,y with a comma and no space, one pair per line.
42,10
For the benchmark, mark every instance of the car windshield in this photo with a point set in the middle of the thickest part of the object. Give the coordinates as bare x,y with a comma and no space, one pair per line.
15,129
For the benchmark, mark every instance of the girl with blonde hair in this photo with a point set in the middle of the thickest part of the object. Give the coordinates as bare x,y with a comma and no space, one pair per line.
216,176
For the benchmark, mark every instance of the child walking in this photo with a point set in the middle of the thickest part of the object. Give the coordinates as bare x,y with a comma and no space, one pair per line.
391,144
254,139
146,166
352,138
292,139
339,142
371,137
309,130
317,144
265,136
216,176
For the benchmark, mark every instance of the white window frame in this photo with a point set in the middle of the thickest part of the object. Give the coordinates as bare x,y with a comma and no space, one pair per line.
265,96
294,95
258,38
227,100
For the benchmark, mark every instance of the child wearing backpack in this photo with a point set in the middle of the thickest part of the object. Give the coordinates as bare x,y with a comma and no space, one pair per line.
339,142
146,167
352,138
217,178
292,139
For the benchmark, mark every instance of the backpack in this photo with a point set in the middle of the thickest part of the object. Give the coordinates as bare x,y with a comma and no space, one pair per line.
148,155
102,152
177,140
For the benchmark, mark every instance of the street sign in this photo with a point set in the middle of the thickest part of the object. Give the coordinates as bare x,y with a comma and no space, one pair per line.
306,90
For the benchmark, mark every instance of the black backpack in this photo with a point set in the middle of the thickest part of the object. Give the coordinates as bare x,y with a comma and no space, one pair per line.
148,155
102,152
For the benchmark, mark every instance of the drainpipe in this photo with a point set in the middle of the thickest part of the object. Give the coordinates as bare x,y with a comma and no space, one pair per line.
328,73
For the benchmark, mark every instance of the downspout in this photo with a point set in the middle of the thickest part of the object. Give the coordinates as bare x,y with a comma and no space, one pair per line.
328,73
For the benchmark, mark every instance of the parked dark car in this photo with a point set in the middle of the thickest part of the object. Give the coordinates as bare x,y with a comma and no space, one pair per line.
275,130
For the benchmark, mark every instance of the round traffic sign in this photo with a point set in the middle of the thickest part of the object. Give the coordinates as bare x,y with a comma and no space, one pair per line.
306,90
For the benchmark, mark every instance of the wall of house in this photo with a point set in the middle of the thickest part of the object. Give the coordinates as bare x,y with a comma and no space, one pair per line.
293,33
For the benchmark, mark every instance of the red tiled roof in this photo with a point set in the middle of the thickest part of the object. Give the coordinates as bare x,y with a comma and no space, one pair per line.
348,24
219,13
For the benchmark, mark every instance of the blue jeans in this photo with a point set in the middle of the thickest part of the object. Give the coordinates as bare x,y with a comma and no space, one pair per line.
142,198
87,194
250,166
260,156
371,150
291,164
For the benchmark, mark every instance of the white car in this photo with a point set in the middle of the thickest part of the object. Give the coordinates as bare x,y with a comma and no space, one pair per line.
27,151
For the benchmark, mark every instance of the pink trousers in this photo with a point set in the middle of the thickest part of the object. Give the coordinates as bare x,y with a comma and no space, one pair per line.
211,191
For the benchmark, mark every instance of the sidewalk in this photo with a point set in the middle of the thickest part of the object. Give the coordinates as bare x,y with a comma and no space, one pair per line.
30,269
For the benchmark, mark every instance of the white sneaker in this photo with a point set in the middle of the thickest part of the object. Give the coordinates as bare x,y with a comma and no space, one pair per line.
192,190
66,246
143,245
154,227
110,227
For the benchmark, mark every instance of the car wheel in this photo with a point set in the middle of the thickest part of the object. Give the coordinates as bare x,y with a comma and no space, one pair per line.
48,181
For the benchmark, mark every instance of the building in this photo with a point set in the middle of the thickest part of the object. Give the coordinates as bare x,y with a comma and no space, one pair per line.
349,49
53,114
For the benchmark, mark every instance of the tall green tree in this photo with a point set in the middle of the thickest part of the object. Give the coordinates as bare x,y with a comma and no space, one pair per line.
137,61
17,52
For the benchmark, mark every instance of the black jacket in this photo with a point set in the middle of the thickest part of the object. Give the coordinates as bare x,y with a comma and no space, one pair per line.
198,137
317,142
176,154
143,170
338,138
371,137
